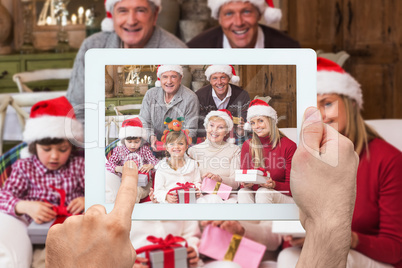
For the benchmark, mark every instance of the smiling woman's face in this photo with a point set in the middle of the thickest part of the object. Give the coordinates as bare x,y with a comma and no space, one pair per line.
216,130
333,112
134,22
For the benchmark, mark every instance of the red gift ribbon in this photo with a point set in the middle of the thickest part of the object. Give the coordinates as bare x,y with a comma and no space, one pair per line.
167,245
61,210
184,186
260,168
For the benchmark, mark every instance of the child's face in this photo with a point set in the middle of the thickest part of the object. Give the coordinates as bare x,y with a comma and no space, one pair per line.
54,156
132,145
177,148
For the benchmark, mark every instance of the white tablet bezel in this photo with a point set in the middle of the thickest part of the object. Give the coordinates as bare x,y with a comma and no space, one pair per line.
95,62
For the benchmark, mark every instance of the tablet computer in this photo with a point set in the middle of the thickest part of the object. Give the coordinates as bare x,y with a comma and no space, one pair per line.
300,66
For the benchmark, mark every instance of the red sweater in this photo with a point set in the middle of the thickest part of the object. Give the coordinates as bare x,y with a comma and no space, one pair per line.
377,218
277,161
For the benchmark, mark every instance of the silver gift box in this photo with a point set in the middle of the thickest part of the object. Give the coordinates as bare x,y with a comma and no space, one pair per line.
143,180
157,258
191,192
38,232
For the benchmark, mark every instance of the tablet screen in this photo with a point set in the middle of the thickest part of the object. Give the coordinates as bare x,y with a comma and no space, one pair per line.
285,78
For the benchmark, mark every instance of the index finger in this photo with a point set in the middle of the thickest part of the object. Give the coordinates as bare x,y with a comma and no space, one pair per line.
127,193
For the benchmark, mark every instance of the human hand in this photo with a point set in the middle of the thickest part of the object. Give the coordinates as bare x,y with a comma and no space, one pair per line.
323,185
152,196
77,205
85,240
192,257
118,169
153,141
197,193
355,240
247,185
172,197
39,211
233,227
294,241
146,168
213,177
139,263
270,184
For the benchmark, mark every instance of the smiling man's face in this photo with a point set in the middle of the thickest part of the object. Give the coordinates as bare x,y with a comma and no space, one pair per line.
239,22
134,22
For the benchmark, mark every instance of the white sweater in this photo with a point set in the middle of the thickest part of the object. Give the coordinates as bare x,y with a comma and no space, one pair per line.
166,177
221,160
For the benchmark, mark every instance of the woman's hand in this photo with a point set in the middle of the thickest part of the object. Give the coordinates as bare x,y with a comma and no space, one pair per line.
146,168
192,257
270,184
197,193
294,241
247,185
152,196
171,197
77,205
39,211
213,177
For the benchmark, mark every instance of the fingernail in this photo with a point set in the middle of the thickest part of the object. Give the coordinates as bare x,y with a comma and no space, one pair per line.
131,164
312,114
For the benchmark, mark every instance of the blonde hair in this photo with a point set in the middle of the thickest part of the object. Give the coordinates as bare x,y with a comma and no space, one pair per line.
356,129
256,147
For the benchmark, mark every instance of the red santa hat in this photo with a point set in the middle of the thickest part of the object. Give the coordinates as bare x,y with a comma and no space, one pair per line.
107,23
132,128
259,107
226,69
332,79
54,118
266,7
225,115
166,68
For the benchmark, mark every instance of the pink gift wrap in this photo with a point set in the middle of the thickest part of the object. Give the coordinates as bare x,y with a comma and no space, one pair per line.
208,186
215,243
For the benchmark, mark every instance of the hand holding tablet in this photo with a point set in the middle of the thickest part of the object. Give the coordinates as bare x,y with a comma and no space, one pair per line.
96,238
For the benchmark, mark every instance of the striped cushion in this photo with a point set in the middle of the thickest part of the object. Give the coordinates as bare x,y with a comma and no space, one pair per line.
7,160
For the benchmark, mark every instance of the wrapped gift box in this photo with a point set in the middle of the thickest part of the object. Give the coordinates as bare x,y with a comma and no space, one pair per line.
186,196
293,228
143,179
251,176
157,257
212,187
160,146
38,232
222,245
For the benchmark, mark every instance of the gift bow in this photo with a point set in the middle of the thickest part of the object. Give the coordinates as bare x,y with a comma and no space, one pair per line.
183,186
167,245
61,209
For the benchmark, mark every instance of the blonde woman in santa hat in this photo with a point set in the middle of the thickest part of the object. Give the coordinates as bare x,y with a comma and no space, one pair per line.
132,146
218,157
128,24
376,239
34,190
269,150
239,26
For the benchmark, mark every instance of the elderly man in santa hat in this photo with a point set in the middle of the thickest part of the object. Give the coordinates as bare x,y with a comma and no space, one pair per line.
128,24
239,27
169,98
222,93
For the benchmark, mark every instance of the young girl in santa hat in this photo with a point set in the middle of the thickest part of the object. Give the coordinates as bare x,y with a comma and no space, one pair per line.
37,183
132,146
176,167
376,239
270,150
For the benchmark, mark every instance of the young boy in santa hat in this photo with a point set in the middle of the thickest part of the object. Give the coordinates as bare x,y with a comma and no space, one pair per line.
36,184
132,146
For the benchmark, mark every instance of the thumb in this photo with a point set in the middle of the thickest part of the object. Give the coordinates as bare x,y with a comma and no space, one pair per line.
311,135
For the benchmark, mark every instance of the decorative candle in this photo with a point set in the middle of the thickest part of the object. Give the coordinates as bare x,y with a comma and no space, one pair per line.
119,69
73,19
87,15
80,15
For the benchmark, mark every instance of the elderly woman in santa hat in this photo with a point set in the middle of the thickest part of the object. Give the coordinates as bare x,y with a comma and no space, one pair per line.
269,150
376,236
218,157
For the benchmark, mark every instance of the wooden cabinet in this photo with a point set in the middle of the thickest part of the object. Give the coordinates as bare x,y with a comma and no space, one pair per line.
111,102
368,30
12,64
